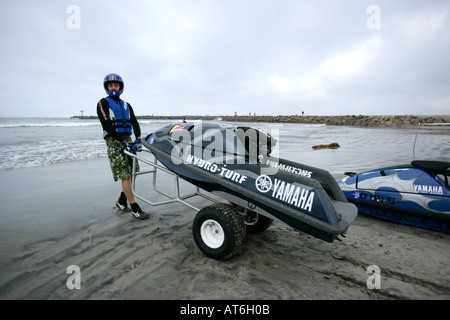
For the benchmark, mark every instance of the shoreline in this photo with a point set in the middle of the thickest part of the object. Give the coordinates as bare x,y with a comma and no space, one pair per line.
383,121
123,258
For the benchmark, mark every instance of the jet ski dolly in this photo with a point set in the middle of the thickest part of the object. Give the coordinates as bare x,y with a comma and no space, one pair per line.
171,198
234,163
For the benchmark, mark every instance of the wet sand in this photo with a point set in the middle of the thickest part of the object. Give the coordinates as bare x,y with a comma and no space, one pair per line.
60,215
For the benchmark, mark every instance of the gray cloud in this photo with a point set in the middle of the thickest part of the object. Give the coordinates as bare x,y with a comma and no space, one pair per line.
217,57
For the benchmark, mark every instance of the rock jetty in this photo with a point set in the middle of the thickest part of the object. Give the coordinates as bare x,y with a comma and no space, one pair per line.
384,121
398,121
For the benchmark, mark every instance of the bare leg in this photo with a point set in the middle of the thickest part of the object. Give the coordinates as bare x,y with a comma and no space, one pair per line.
126,187
137,212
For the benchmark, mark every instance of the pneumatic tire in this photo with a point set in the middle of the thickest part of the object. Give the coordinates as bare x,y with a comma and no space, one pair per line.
219,231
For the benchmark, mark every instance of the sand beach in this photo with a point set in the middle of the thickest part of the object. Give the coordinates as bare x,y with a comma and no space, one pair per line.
59,215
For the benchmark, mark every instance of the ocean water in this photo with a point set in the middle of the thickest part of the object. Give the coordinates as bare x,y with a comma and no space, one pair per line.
30,142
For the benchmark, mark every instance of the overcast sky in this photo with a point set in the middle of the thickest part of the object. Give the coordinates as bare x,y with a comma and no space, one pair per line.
217,57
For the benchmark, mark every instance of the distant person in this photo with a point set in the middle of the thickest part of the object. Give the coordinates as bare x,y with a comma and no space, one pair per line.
119,123
184,120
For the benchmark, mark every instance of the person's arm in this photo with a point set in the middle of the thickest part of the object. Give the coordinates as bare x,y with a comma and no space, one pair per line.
134,124
103,116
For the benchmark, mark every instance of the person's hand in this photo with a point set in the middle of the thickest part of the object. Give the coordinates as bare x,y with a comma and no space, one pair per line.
125,145
134,147
138,145
128,147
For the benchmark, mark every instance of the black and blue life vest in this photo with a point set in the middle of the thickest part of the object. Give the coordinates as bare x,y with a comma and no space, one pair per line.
119,113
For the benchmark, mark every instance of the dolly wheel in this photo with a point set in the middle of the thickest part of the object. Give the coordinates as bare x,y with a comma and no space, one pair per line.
219,231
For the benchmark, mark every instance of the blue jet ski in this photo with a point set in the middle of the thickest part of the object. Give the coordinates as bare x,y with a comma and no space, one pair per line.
235,163
417,194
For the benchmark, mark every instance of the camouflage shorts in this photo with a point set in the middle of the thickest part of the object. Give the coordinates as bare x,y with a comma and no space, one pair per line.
121,164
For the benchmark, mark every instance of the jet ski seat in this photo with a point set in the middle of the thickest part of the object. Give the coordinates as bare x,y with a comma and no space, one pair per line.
434,168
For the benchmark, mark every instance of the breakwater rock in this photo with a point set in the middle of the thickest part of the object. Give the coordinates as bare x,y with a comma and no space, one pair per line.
333,145
398,121
386,121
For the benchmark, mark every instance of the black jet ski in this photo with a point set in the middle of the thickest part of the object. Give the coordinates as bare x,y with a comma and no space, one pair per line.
415,194
235,163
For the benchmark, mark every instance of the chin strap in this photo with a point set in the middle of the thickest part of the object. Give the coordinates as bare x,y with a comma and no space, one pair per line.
114,93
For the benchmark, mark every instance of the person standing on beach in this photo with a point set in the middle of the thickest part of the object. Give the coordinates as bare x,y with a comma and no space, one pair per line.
119,123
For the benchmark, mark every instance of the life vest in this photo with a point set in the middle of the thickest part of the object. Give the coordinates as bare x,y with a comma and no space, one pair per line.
119,113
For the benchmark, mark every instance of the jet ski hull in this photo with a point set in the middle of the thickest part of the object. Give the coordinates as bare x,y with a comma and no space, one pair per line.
416,194
306,198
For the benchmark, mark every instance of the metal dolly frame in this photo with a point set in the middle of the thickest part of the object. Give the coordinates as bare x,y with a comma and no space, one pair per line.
155,167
